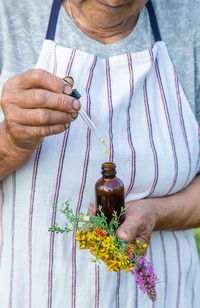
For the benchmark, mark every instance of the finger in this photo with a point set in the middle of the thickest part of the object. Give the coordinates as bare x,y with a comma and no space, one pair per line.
44,131
41,116
127,230
92,209
39,98
27,136
142,252
38,78
69,80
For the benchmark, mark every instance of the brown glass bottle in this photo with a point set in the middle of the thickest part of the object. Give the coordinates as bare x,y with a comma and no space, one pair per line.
109,191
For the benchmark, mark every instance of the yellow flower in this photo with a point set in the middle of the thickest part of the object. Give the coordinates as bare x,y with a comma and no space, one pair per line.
102,247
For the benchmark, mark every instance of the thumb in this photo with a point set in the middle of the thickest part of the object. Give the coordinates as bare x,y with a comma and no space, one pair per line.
69,80
127,230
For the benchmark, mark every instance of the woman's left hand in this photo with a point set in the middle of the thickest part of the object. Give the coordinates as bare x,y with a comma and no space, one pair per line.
178,211
140,221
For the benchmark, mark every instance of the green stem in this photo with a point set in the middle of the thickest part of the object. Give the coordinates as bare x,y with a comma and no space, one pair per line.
98,248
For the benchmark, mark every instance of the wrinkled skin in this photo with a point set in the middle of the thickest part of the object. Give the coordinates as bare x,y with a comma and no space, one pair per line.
179,211
105,20
37,104
139,223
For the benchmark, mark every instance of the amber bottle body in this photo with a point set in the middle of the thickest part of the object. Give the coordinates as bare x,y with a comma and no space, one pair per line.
109,191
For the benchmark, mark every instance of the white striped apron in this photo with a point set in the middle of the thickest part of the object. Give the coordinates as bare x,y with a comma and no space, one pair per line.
137,102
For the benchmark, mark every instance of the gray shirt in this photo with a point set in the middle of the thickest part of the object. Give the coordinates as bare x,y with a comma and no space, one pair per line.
23,28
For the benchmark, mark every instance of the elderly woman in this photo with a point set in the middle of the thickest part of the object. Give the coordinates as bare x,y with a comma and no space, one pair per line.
116,54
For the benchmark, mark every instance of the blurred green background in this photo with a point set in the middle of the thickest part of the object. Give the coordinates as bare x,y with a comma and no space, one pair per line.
197,237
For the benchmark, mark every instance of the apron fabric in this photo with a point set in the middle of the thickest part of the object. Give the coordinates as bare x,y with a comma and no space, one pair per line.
138,104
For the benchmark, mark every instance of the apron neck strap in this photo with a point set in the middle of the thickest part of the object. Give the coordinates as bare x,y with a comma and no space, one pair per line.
153,21
51,30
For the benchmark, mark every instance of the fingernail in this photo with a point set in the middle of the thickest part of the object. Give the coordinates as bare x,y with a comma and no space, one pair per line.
67,89
74,115
76,104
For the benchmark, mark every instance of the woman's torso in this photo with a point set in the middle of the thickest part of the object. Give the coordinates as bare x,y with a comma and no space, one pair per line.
156,144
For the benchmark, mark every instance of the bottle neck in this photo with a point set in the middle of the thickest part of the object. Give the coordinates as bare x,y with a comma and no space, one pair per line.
108,170
110,176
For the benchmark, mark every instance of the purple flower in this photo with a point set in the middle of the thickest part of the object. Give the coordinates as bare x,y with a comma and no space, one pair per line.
145,277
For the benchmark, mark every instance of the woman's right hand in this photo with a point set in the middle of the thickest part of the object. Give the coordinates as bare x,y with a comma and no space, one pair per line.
36,104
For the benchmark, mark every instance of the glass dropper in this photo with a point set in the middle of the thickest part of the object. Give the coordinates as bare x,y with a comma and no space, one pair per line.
89,122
